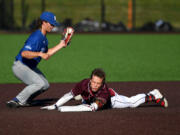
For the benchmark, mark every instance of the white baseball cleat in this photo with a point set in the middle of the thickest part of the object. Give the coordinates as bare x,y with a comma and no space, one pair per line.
162,102
156,93
159,98
165,102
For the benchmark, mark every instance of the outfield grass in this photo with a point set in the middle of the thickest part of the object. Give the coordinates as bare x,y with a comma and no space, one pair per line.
124,57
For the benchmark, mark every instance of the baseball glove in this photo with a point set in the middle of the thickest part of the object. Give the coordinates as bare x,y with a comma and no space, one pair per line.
67,35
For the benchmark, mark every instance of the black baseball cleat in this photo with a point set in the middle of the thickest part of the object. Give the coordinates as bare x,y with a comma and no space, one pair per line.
15,104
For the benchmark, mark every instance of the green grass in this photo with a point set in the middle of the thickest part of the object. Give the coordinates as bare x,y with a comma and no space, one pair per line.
123,57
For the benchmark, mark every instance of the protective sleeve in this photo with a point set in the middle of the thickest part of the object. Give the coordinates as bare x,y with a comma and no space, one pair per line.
79,108
68,96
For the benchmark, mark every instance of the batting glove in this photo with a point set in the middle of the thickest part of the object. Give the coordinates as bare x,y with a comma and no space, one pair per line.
50,107
67,35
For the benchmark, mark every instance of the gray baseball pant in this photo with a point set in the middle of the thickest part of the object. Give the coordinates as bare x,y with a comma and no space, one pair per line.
33,78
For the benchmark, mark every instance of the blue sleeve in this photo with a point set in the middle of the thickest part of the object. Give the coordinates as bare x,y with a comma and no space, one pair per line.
36,43
30,46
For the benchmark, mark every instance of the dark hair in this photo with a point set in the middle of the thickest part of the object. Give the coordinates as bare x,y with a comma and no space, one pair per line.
36,24
100,73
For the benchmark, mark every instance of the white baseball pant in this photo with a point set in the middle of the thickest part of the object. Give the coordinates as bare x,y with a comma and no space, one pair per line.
120,101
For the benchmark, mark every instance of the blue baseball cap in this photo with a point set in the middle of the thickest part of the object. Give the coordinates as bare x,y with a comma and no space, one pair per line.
49,17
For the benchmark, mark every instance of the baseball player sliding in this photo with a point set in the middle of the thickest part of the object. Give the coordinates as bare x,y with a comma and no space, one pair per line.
35,49
96,95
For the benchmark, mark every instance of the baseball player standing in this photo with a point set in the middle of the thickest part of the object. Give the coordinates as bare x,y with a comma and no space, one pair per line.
35,49
96,95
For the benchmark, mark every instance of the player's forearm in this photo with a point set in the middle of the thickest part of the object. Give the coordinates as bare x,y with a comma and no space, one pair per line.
30,54
64,99
56,48
60,102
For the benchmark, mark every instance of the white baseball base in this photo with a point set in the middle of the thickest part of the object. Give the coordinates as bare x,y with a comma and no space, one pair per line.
78,108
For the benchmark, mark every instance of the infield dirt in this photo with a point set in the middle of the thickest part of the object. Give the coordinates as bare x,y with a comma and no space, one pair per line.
147,119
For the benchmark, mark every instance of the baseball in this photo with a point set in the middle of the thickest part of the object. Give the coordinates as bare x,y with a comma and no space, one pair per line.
70,30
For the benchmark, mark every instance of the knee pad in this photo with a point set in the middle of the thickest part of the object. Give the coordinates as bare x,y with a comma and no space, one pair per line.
43,85
46,86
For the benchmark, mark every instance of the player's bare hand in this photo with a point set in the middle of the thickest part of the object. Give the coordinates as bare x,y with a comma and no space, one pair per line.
45,56
50,107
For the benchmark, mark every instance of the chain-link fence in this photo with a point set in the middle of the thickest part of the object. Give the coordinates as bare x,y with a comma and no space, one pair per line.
95,15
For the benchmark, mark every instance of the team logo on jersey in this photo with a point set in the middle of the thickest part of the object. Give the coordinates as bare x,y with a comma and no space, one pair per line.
42,49
28,47
44,41
54,18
